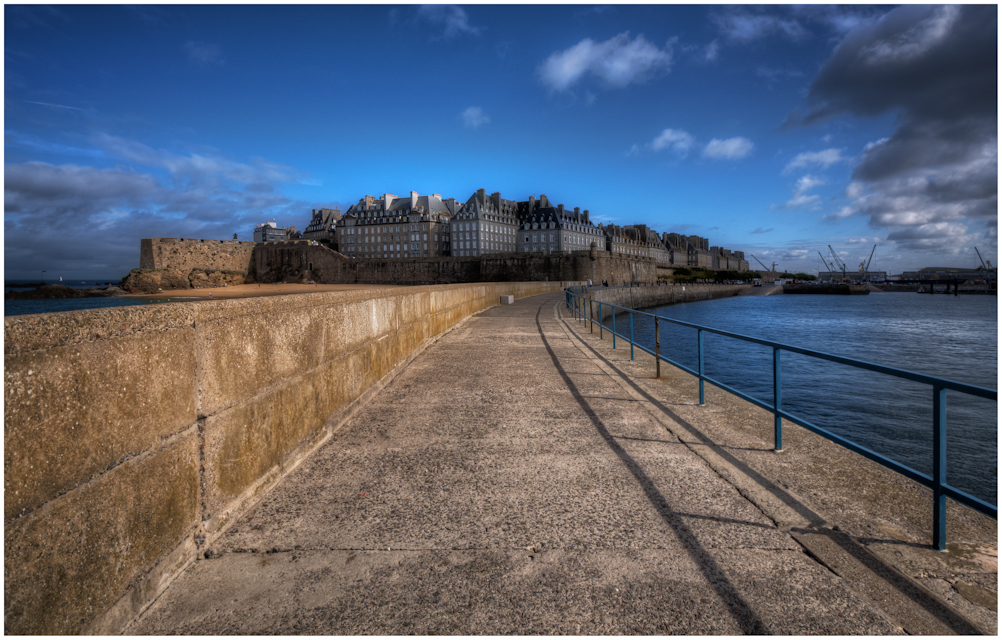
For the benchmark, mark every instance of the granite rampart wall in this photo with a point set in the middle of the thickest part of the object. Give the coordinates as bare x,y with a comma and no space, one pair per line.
182,254
644,297
301,261
133,435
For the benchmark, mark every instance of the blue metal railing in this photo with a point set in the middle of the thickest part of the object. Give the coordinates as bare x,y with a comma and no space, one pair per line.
584,309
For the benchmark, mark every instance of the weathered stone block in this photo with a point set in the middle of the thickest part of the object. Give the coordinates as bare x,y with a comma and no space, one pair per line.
240,356
246,443
72,411
68,564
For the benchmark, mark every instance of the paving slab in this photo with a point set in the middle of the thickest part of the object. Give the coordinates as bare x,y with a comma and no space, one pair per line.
510,482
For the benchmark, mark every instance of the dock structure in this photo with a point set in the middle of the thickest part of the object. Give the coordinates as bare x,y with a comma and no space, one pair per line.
522,476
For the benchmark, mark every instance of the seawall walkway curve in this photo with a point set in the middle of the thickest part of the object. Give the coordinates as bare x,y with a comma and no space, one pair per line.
522,477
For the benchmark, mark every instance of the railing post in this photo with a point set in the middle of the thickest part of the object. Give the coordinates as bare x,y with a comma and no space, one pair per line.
631,335
657,347
699,348
938,468
601,324
591,315
614,327
777,399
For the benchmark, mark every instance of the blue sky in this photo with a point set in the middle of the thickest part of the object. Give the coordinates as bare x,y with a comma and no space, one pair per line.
774,130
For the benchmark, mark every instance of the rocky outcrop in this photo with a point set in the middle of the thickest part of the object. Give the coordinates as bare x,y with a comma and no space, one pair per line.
156,280
52,291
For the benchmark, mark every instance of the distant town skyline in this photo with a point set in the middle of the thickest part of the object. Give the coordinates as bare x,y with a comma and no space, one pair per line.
775,130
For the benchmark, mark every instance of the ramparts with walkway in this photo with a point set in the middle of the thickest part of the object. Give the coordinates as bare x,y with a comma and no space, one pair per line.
521,476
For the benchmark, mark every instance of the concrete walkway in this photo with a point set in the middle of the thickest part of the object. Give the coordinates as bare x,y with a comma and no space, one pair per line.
511,481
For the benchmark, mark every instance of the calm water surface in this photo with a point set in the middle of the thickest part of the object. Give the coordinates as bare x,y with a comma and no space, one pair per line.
24,307
945,336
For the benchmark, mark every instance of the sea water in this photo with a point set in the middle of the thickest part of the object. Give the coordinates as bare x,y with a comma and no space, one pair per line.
953,337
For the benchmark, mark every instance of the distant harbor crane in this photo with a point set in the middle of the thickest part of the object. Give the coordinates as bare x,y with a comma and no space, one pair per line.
864,266
986,267
773,269
838,262
827,266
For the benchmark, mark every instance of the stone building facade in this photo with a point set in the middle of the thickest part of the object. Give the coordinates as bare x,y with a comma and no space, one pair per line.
392,227
547,229
727,260
485,226
271,232
639,241
323,225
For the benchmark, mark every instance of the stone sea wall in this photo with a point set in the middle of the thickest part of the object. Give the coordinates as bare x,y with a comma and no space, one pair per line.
133,435
183,255
277,262
643,297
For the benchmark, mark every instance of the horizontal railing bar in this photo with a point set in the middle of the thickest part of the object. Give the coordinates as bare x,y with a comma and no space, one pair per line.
957,495
968,500
953,385
908,472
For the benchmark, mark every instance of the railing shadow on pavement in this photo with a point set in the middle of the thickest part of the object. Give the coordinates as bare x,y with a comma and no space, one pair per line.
584,309
746,618
872,562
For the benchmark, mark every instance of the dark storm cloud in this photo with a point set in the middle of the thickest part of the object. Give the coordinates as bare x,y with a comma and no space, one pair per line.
933,62
935,68
98,215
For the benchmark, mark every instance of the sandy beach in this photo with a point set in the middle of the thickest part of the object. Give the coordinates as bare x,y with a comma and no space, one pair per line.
250,291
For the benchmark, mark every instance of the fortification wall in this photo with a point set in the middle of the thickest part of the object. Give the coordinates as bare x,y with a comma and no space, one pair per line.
182,254
643,297
134,434
305,262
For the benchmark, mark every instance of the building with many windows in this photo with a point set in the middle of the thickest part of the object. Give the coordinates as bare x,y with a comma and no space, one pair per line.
271,232
322,225
548,229
638,241
392,227
485,226
689,251
727,260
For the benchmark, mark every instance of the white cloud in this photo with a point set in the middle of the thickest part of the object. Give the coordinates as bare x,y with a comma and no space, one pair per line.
618,62
474,117
873,145
730,149
203,53
449,17
801,199
743,26
841,214
674,140
823,159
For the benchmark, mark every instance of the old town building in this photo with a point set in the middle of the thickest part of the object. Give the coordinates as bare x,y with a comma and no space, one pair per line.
548,229
322,225
485,225
392,227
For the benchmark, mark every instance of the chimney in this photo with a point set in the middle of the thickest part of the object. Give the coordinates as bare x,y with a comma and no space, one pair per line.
532,203
586,216
414,197
560,210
